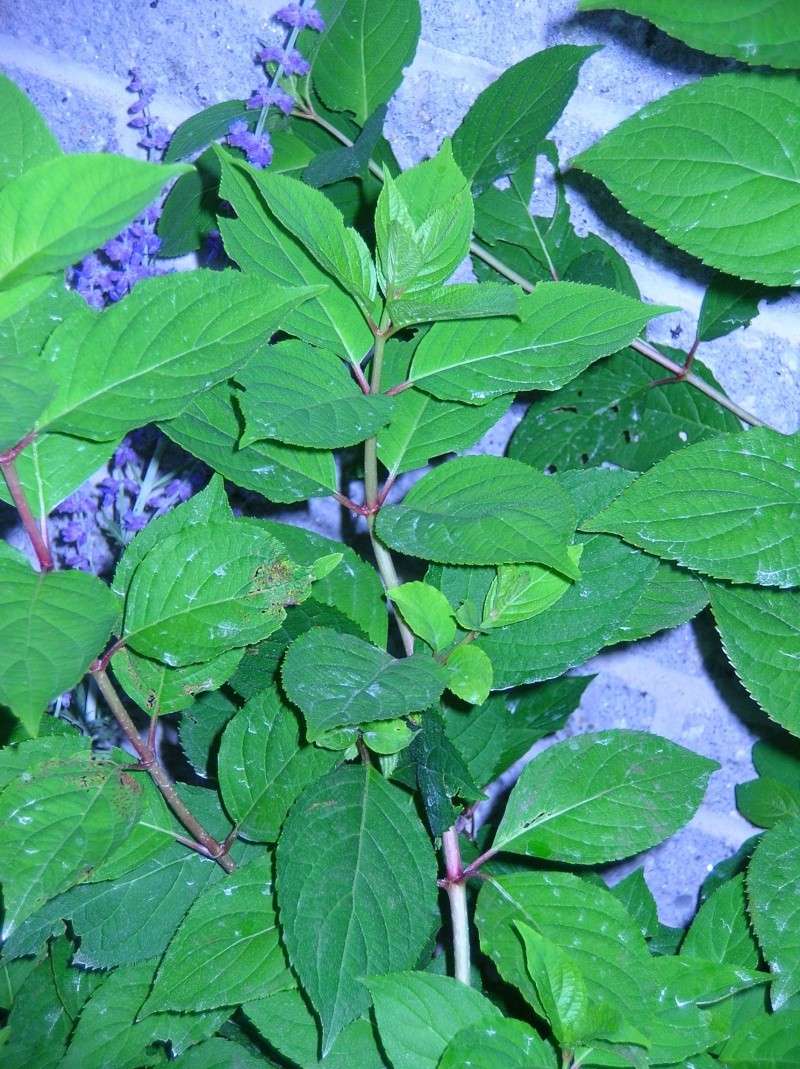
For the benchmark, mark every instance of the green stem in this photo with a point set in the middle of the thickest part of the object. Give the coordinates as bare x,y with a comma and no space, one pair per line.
206,843
525,284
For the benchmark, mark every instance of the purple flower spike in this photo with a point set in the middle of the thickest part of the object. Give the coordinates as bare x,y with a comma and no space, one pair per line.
282,100
257,149
133,522
296,63
301,18
125,454
270,54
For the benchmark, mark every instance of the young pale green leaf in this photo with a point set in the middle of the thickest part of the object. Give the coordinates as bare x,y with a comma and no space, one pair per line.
720,930
54,465
765,1043
725,507
53,625
612,413
358,62
427,612
773,892
469,674
728,304
199,593
25,139
148,357
423,427
760,632
44,1008
227,950
718,183
756,32
559,330
463,300
260,246
423,224
359,838
25,397
561,988
419,1013
61,818
263,767
602,796
520,591
305,396
507,1043
210,429
62,208
515,113
483,510
338,680
314,220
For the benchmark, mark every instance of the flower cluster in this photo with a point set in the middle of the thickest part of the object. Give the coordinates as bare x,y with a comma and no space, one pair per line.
156,136
89,528
277,62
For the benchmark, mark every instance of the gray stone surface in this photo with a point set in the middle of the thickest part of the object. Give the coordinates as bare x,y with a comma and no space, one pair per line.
73,58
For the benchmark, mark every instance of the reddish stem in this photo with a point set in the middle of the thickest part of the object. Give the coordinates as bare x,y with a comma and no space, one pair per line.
9,469
393,391
360,377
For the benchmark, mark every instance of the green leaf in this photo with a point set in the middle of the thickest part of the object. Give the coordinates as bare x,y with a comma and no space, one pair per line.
755,32
483,510
773,891
515,113
263,767
612,413
423,224
197,594
357,835
227,950
765,1043
62,818
780,761
427,612
559,330
53,625
636,897
358,62
440,774
108,1032
313,219
560,986
458,301
54,465
765,802
24,398
56,212
720,930
289,1026
44,1010
147,357
718,185
724,507
25,139
671,597
729,304
200,731
353,588
342,162
218,1053
507,1043
210,429
206,126
470,674
602,796
760,632
305,396
159,689
520,591
422,427
337,680
260,246
189,212
418,1015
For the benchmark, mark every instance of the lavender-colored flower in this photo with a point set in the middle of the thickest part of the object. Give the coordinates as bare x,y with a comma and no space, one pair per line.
295,62
257,149
270,54
301,18
134,521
